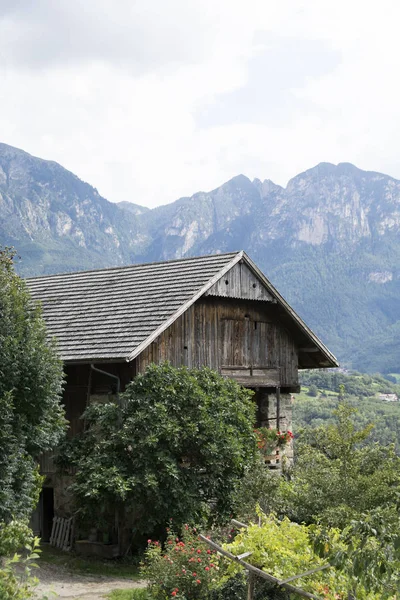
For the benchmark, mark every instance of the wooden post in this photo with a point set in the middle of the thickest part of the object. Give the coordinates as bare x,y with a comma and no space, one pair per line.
250,586
278,408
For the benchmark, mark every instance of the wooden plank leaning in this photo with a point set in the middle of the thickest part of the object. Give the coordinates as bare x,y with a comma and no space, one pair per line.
53,531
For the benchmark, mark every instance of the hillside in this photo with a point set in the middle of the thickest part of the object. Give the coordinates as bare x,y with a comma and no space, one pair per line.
329,240
319,397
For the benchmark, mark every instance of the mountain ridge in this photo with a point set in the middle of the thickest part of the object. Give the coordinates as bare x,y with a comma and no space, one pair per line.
329,240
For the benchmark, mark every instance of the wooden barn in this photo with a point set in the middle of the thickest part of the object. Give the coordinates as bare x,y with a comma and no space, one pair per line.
219,311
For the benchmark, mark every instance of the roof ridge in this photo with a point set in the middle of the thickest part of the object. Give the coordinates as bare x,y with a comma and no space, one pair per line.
134,265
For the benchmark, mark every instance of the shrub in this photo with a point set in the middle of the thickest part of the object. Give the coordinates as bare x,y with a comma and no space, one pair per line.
284,549
183,568
31,415
176,447
16,580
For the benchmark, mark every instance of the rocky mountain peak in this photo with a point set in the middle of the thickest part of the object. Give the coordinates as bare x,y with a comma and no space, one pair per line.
329,240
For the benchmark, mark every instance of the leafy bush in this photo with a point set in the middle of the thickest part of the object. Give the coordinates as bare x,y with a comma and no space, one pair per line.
176,447
259,487
284,549
16,580
13,537
372,556
183,568
335,477
31,415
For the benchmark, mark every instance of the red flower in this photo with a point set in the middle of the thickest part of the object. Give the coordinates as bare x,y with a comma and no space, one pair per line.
198,581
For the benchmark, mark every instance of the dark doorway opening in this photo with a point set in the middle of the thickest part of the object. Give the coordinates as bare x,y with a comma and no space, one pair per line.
47,506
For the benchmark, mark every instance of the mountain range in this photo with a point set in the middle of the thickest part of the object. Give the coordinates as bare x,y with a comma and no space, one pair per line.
329,240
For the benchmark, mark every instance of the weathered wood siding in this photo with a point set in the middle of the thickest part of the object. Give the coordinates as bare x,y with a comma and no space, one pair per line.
239,338
81,386
240,282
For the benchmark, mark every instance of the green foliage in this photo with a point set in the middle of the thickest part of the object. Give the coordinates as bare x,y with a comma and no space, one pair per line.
183,568
31,416
259,486
16,579
355,384
285,549
14,536
135,594
361,392
177,445
372,556
336,477
233,588
313,390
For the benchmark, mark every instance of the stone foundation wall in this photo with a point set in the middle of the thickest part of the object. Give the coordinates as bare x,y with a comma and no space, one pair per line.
267,414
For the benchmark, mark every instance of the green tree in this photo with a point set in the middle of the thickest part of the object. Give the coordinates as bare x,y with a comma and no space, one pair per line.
175,447
31,415
313,390
337,477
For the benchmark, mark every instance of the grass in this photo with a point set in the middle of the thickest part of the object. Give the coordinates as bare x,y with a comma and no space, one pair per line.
89,566
137,594
396,376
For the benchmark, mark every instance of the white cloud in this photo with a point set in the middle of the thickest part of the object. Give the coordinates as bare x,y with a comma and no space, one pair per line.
151,100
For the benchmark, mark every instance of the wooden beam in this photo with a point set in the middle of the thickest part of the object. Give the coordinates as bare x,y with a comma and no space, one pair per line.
310,572
238,524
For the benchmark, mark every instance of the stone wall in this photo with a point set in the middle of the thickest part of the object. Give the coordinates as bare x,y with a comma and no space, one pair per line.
267,414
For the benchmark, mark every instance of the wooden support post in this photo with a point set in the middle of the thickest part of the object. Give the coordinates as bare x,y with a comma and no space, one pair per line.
250,585
278,408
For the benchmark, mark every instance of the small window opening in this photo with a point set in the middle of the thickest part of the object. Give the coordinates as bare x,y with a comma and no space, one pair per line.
255,324
254,285
226,282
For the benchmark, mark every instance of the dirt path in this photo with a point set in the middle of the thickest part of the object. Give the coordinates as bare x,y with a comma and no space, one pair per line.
66,585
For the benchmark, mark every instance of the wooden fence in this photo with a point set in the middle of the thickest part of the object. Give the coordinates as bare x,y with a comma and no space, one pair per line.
62,533
255,572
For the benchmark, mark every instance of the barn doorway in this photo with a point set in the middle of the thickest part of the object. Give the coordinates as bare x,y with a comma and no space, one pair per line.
46,504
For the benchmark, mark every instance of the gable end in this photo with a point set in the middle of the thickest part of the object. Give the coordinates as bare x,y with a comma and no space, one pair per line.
241,283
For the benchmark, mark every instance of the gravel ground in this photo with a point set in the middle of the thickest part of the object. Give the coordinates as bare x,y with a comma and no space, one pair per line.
66,585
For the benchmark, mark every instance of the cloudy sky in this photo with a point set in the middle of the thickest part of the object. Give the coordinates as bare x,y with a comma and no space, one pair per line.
150,100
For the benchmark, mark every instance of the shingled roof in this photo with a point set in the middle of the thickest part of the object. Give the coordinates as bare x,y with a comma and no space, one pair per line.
107,313
114,313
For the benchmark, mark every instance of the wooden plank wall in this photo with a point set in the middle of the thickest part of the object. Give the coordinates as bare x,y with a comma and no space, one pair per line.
240,282
220,332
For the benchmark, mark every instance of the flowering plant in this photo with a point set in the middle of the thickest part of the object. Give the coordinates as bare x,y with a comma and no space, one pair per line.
269,439
284,437
183,567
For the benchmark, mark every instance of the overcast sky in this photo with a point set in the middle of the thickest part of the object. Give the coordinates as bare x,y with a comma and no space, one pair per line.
151,100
